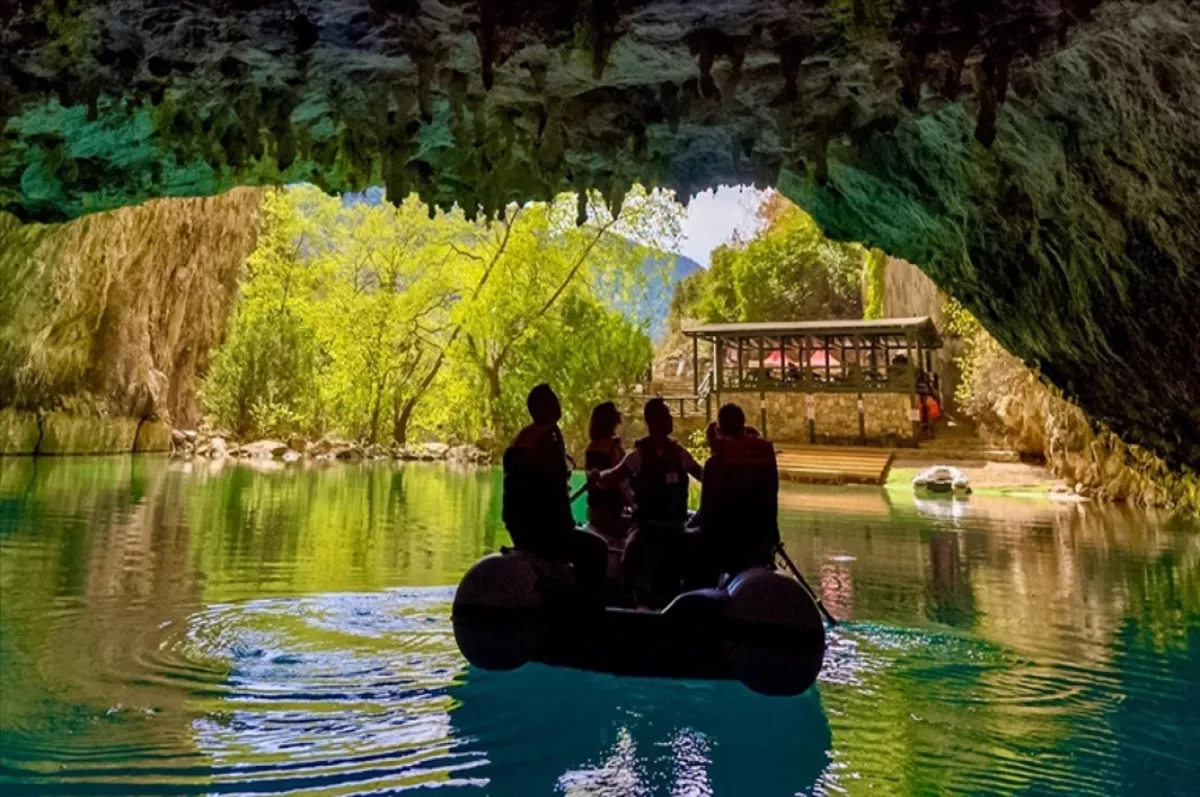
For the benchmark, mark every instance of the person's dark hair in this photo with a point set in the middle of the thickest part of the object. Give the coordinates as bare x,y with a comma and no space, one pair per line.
543,404
657,415
731,420
605,418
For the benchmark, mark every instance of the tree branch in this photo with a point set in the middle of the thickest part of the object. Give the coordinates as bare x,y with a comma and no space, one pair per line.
545,308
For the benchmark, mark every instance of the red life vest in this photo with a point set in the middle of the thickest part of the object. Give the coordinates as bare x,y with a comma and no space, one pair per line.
660,487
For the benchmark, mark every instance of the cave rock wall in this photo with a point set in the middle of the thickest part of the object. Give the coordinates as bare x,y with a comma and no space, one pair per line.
1074,238
115,315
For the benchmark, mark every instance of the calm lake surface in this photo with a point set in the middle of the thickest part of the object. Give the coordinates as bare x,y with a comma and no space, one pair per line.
175,629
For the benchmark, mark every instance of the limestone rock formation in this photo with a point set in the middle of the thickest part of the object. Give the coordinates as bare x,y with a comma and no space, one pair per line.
116,314
1074,238
1035,157
1020,412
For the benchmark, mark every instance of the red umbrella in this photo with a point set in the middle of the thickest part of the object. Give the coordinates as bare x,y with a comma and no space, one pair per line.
773,359
819,357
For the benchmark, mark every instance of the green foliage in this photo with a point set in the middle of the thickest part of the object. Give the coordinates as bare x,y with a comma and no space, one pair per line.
536,277
963,325
874,273
790,271
375,322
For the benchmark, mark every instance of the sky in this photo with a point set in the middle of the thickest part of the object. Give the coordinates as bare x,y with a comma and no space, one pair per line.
712,217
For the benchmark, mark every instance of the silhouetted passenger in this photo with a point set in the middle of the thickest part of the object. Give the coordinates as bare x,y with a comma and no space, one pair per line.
739,499
537,503
606,505
658,469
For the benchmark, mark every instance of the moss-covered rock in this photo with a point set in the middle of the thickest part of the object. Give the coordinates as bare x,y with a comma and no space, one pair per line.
117,313
1074,238
108,102
19,432
1016,409
153,437
79,434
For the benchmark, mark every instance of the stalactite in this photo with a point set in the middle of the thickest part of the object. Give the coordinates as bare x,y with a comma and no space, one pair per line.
485,37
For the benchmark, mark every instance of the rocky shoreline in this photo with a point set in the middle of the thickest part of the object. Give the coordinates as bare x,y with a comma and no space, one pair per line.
192,444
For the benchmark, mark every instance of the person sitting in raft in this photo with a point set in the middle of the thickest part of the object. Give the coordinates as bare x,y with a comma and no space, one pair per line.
606,505
739,498
537,503
658,470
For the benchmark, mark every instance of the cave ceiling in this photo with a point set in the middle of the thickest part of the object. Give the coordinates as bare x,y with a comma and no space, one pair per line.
1036,157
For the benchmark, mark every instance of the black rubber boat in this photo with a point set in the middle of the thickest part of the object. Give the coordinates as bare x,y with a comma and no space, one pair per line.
763,628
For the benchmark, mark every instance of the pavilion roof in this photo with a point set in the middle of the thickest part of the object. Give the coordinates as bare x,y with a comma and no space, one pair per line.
926,331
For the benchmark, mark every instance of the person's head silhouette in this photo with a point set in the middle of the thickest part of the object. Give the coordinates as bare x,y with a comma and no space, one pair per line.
658,418
543,405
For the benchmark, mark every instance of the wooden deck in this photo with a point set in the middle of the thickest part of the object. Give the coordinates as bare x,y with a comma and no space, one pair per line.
833,464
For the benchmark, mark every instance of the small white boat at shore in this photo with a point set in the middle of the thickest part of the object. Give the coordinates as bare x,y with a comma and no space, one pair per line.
942,479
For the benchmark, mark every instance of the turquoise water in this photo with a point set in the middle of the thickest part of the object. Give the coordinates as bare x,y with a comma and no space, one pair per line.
166,629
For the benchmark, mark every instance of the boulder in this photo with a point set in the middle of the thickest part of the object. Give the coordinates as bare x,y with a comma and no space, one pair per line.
323,447
19,432
75,434
297,443
263,449
153,437
436,450
216,448
349,452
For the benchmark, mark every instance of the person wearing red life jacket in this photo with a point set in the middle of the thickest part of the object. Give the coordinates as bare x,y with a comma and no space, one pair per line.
537,503
739,499
606,505
657,469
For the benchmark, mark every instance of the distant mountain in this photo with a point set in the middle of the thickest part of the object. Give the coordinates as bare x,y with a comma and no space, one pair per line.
652,305
656,305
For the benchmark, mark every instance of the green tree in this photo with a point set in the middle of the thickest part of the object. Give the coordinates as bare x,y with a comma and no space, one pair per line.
537,261
263,380
363,318
385,318
789,271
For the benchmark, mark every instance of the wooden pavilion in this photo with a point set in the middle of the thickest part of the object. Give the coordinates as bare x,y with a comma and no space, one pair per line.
834,381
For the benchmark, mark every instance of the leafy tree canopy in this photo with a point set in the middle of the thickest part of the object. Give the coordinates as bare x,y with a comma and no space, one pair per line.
789,271
374,321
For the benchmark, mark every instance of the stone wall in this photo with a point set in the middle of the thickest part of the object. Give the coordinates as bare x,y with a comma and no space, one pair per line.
885,416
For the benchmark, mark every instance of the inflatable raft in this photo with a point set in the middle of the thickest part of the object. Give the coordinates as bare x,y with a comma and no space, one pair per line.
763,629
942,479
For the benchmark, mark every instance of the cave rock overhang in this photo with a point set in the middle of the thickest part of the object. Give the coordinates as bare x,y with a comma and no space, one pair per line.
976,139
107,102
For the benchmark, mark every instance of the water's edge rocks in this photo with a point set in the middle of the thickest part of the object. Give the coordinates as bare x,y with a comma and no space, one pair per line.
60,433
20,432
194,444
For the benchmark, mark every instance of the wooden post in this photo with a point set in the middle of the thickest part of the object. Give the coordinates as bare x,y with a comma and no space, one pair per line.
762,383
826,345
809,409
695,367
862,420
718,371
912,390
741,372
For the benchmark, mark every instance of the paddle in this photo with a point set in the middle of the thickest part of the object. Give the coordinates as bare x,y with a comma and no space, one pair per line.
582,489
796,572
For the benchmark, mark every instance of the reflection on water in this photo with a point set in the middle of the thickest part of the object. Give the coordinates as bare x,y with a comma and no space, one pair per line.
169,630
